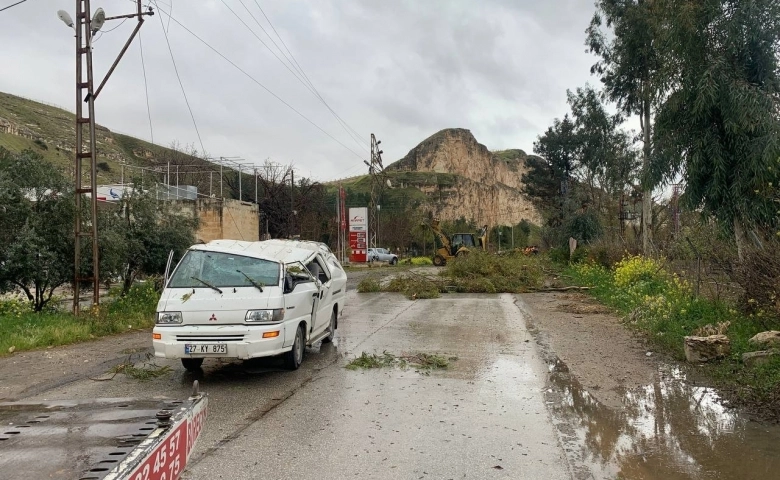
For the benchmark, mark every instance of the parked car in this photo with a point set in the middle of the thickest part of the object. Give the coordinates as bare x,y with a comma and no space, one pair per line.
236,299
382,255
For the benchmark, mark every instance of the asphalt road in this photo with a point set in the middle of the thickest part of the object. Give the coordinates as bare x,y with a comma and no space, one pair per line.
483,417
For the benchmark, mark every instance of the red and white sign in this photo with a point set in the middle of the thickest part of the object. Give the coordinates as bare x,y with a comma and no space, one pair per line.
358,234
168,459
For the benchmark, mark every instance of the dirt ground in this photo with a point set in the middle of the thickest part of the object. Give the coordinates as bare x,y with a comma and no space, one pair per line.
602,354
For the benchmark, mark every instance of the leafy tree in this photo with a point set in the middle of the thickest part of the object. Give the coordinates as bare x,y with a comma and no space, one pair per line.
630,67
546,181
137,237
36,227
719,126
607,162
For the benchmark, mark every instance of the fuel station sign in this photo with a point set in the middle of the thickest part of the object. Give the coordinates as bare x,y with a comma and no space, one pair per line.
358,234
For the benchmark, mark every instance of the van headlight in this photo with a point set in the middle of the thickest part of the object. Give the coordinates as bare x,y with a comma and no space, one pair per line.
167,318
265,316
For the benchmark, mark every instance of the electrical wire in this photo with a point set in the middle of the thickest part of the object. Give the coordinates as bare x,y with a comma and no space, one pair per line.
12,5
257,82
170,50
308,83
146,87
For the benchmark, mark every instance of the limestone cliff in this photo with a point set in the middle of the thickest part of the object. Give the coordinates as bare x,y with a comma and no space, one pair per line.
487,186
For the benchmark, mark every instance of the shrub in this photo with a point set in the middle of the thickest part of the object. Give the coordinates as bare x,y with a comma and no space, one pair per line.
414,287
369,285
512,273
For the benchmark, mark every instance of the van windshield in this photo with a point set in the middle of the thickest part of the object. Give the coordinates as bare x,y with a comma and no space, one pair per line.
201,269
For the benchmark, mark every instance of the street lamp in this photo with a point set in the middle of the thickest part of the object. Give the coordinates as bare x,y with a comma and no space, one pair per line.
86,27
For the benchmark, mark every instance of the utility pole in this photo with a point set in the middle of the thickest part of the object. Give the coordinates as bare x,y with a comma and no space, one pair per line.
376,170
86,25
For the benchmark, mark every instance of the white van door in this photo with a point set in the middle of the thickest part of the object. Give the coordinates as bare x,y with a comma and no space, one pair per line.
301,294
324,303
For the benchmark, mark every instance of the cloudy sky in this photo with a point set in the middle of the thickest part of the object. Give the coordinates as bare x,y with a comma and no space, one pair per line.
399,69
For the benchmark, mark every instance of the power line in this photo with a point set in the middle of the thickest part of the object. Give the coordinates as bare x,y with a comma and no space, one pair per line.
12,5
170,50
295,74
260,84
357,137
146,87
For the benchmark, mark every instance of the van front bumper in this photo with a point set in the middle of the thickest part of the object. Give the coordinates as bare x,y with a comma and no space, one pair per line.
241,341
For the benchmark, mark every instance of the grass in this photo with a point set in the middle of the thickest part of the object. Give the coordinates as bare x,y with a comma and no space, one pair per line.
422,362
54,127
662,306
24,329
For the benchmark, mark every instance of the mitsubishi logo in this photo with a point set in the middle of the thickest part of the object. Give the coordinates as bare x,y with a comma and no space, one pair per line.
213,318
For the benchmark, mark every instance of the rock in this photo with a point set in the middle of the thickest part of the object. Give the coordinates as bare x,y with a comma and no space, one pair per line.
11,349
770,338
704,349
751,359
761,357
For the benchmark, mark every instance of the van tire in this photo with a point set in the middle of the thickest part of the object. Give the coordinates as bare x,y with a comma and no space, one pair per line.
332,328
192,364
293,358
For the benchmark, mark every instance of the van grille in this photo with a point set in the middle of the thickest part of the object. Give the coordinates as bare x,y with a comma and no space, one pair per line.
210,338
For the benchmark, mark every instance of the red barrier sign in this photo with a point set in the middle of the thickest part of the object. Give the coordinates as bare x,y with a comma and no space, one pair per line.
168,460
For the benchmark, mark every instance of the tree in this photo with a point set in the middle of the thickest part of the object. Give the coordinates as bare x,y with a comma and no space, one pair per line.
630,67
546,181
719,126
137,237
606,162
37,215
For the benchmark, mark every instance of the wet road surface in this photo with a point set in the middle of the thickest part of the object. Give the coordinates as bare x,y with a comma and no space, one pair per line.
506,408
483,418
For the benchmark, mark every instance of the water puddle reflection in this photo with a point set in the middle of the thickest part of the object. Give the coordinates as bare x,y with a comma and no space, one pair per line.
670,429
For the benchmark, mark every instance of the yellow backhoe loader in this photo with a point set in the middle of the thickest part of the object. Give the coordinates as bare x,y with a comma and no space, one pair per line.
457,244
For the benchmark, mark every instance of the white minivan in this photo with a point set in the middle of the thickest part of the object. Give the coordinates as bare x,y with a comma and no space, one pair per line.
237,299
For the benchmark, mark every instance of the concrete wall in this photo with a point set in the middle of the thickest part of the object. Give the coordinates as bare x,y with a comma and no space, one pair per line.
223,219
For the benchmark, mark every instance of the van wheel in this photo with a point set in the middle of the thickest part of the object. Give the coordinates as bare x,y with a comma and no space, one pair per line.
331,328
293,358
192,364
393,261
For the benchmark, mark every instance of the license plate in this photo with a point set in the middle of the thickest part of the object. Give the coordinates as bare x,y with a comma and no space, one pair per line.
190,348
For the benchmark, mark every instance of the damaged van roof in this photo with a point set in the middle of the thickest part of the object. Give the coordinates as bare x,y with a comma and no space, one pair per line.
285,251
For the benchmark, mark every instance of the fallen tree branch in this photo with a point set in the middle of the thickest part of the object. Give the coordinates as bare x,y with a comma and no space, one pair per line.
559,289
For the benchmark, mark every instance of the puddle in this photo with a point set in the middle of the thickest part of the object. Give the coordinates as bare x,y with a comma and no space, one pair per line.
669,429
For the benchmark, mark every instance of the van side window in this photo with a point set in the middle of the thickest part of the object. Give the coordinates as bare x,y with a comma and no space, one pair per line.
316,267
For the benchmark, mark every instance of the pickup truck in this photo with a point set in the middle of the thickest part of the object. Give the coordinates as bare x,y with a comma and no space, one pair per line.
238,299
100,439
382,255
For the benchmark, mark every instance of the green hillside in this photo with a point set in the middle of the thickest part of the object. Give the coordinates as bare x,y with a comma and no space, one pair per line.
50,131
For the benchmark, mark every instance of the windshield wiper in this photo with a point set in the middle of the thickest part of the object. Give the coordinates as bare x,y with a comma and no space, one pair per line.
206,284
259,286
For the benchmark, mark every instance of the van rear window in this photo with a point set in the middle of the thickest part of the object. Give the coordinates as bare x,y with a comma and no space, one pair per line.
223,270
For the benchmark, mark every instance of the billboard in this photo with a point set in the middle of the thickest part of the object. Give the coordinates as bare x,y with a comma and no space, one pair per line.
358,234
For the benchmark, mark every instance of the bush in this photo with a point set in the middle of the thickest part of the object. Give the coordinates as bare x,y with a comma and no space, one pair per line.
414,287
759,277
417,261
511,273
369,285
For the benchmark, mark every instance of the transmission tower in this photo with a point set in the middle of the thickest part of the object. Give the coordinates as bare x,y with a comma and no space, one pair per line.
376,170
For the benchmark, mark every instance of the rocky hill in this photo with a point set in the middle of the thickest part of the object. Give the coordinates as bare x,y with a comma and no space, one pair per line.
481,185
